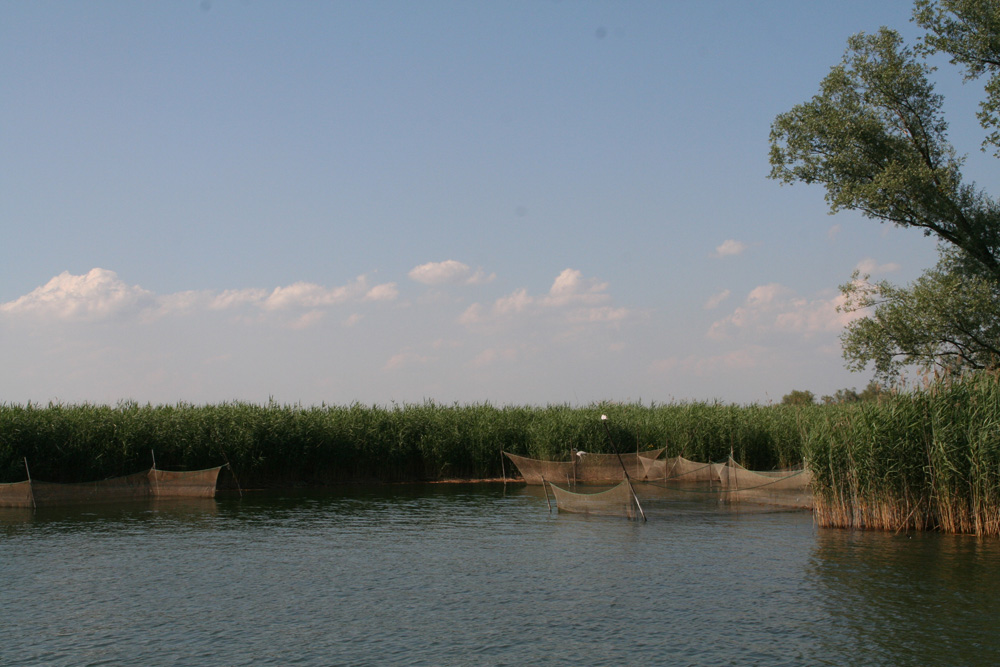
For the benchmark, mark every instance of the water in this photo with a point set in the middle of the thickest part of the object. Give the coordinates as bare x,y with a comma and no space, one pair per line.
480,575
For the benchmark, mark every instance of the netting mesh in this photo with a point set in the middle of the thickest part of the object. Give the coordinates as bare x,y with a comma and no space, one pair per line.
680,469
184,484
17,494
139,486
585,467
617,501
535,471
790,488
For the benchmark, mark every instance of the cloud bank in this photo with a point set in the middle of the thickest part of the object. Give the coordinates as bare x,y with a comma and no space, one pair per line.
449,272
101,295
773,309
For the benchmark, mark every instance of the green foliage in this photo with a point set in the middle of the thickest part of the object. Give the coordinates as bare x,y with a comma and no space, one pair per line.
968,31
873,392
946,320
798,397
842,396
928,458
924,459
875,138
282,445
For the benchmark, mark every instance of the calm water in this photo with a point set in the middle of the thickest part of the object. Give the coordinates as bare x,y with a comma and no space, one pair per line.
482,575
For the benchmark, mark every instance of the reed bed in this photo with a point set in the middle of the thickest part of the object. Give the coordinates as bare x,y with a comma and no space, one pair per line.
927,459
269,445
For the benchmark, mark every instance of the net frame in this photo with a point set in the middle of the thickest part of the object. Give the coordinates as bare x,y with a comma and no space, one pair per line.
791,487
152,483
619,500
583,467
680,469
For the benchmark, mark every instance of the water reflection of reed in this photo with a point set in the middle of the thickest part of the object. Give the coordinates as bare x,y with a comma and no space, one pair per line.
179,509
922,599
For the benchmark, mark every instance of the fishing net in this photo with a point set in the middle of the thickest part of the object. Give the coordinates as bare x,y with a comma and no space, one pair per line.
680,469
789,488
184,484
598,468
139,486
17,494
619,500
584,467
535,471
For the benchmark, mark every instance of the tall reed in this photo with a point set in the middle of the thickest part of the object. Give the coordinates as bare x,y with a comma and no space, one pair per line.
918,460
290,444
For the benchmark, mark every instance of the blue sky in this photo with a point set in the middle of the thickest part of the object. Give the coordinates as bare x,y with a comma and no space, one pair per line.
514,202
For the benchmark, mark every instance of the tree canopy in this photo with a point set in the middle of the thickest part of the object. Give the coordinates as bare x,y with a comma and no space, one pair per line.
969,31
875,138
948,319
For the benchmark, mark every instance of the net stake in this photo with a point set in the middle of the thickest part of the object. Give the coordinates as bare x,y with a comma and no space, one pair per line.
604,420
31,490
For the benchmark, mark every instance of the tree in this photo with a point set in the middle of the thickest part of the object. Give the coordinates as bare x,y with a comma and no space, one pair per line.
969,31
798,397
842,396
947,319
875,137
872,392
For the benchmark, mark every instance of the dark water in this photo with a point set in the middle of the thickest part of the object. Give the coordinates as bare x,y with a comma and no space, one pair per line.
480,575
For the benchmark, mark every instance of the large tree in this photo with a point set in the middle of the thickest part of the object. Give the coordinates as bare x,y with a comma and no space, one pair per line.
948,319
875,137
968,31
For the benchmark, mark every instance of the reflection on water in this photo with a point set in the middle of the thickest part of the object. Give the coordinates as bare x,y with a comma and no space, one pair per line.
480,574
97,513
911,599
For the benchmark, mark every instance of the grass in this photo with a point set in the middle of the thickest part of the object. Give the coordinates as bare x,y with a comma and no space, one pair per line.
290,444
926,459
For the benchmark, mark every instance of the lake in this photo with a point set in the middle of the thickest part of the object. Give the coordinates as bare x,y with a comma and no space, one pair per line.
482,574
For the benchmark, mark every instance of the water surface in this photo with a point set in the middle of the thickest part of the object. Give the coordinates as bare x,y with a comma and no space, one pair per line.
482,575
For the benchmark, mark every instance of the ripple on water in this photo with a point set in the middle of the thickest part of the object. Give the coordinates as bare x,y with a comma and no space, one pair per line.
475,574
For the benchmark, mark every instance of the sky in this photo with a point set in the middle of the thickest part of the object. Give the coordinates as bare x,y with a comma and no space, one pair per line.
516,203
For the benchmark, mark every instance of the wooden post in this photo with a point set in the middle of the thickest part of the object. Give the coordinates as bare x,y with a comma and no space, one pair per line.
31,490
604,420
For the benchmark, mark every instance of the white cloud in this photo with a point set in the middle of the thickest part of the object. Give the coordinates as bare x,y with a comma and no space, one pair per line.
869,266
492,356
572,298
98,294
480,277
716,300
774,308
599,314
474,314
814,316
833,232
515,303
571,287
384,292
405,358
449,272
306,320
765,295
311,295
234,298
730,248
